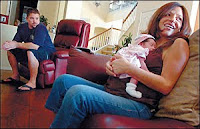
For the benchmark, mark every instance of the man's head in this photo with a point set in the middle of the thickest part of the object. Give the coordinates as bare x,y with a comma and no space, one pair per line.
33,17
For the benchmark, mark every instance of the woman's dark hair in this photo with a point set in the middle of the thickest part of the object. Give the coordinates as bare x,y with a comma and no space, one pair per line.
153,27
32,10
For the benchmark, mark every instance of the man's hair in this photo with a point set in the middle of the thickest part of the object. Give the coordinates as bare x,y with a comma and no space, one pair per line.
32,10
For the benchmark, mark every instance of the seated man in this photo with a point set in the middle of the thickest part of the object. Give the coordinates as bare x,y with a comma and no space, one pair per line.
31,44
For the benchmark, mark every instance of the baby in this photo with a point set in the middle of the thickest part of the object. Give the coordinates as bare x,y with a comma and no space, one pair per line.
136,54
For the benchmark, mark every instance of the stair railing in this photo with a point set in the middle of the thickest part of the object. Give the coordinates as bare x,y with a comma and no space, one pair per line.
111,36
108,37
128,21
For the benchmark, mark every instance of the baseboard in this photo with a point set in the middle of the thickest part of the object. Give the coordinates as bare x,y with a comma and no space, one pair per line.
6,68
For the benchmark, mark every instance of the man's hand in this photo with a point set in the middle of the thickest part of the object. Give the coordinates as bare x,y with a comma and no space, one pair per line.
8,45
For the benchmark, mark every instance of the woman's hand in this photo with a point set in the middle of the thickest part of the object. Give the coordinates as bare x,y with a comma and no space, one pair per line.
109,69
120,65
8,45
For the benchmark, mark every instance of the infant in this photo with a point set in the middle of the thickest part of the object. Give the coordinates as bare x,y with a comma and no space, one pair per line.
136,54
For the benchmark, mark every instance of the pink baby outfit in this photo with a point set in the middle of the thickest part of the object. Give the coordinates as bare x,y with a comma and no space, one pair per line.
131,53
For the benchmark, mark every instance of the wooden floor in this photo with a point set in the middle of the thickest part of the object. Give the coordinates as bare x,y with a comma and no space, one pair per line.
23,109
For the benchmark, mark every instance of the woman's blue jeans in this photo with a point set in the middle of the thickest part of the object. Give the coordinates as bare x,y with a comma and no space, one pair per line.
73,98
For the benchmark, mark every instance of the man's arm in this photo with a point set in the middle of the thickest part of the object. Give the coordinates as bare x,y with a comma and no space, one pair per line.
8,45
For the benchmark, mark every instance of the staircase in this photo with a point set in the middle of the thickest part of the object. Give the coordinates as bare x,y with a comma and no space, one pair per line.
105,42
108,50
110,37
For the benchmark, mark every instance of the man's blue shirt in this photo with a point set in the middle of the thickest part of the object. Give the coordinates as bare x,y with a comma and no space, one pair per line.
39,35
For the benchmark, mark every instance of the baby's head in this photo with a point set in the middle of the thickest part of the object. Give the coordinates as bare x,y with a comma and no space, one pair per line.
146,41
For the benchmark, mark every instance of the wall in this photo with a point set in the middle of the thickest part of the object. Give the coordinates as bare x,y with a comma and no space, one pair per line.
95,15
8,34
50,10
101,17
197,21
118,14
4,5
61,10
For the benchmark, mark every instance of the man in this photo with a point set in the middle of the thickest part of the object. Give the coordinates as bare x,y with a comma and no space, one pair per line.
31,44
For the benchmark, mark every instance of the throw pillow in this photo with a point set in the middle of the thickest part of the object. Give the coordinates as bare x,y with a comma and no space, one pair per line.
87,65
183,101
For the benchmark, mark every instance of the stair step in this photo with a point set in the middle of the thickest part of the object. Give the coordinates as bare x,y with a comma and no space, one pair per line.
106,52
110,48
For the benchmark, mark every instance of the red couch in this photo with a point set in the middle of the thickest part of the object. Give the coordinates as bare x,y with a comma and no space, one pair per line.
92,67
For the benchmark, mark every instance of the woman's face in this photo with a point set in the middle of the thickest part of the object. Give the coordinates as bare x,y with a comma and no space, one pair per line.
171,22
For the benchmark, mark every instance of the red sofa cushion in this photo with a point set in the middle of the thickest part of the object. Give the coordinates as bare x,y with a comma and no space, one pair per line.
72,27
115,121
69,33
65,41
87,65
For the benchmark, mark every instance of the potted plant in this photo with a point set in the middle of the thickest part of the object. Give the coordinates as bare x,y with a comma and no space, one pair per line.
127,40
44,20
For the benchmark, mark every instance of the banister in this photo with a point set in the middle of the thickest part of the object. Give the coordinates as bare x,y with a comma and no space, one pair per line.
130,13
104,32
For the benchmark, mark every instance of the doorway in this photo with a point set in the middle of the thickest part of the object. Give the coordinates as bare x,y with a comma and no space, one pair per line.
23,6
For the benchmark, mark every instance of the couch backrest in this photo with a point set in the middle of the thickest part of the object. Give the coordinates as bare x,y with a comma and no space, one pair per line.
87,65
183,101
72,32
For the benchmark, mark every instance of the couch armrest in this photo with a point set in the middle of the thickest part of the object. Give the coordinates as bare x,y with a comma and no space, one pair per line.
46,74
61,54
46,65
60,58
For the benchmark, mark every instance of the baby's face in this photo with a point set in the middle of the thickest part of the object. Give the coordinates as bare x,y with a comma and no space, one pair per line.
150,44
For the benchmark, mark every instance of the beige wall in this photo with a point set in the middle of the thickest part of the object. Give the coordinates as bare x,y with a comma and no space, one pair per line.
101,17
62,10
197,21
118,14
95,15
4,5
8,34
50,10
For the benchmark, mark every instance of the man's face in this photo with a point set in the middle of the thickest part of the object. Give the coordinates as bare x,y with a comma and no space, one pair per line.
33,20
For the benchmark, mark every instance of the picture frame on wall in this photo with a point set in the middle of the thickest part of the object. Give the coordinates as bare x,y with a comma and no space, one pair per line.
4,19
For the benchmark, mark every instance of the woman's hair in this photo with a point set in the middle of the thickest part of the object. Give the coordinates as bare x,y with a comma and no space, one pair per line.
32,10
153,26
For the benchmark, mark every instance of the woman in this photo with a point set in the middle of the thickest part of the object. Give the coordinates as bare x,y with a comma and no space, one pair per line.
73,98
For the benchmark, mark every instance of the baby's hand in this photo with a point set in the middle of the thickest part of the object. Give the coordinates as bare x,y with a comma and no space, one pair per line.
112,58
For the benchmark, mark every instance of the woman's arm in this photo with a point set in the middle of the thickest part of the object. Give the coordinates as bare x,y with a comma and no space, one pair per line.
174,60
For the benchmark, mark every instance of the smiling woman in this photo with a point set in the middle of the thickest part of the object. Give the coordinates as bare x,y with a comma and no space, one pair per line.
171,22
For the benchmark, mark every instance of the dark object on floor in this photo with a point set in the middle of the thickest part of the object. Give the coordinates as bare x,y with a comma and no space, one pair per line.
12,82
